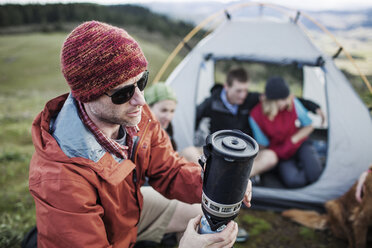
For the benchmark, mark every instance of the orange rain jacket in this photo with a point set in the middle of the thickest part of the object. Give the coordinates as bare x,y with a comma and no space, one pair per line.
86,197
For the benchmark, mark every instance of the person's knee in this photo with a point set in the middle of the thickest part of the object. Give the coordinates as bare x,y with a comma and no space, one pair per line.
181,216
192,153
290,175
265,161
271,159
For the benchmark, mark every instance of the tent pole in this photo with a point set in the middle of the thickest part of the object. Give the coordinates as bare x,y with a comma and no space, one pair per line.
181,44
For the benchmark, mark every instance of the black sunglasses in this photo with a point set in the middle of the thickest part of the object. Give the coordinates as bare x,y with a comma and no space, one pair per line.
126,93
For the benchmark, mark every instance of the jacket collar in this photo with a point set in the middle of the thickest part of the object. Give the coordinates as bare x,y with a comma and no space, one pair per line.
77,145
233,108
76,140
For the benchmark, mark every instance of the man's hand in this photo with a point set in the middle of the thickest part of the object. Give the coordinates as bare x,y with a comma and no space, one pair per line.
248,194
322,115
191,238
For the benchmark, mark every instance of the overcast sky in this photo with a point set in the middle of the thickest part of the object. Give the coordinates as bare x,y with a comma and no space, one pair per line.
298,4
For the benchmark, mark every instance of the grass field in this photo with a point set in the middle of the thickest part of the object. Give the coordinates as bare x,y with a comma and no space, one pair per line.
30,76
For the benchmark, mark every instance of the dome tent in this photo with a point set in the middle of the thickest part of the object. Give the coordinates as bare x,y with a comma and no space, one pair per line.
282,42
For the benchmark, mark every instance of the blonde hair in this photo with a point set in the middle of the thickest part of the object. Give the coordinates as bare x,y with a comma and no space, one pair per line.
270,108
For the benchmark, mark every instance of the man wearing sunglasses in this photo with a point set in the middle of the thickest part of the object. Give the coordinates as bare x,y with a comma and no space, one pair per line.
95,146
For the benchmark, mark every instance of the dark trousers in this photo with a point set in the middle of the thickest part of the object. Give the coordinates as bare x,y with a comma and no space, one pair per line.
302,169
30,239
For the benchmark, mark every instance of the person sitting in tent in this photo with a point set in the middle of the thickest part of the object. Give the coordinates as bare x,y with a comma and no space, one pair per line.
281,124
163,102
229,107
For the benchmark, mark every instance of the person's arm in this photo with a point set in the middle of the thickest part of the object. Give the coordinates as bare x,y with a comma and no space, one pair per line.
168,173
248,194
305,121
314,108
320,112
309,105
301,134
224,239
258,135
252,99
68,214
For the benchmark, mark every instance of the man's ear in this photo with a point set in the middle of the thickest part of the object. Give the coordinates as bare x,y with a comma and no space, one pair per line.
225,86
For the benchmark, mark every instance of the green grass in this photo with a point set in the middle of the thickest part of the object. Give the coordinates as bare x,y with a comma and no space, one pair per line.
256,225
307,233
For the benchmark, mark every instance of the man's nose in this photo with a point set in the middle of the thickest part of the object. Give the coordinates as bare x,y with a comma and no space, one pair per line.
137,99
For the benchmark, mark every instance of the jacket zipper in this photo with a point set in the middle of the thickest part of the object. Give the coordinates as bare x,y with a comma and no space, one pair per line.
134,159
135,145
140,142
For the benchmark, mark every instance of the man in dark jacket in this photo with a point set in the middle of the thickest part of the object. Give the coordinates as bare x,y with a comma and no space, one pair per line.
229,107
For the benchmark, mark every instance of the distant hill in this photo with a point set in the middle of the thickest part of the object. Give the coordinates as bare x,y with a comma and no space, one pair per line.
197,11
139,21
54,17
344,20
168,18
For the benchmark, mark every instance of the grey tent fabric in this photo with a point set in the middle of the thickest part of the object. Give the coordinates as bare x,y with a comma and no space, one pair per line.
314,88
282,42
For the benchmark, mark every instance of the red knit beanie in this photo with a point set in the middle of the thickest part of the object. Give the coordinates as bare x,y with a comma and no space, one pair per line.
97,57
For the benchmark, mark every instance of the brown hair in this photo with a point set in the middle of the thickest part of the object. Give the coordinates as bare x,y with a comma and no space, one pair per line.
238,74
